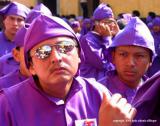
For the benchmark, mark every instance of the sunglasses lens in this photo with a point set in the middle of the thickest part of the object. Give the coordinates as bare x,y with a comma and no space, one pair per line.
43,52
61,47
64,48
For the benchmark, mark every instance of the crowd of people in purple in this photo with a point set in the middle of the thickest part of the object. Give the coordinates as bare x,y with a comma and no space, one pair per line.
97,71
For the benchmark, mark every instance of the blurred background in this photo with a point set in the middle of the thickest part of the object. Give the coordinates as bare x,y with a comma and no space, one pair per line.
73,7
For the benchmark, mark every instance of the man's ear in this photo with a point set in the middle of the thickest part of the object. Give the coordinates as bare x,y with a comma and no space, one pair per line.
79,60
3,22
113,56
31,68
16,54
150,64
79,54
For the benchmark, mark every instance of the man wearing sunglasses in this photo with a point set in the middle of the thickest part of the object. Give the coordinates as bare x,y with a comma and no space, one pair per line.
55,94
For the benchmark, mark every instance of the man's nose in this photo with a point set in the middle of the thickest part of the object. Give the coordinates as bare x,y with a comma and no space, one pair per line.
15,22
131,61
56,56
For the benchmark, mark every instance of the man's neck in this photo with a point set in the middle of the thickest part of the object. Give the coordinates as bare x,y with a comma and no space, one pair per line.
59,93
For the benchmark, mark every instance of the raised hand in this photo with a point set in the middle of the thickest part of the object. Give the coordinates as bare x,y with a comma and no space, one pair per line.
115,111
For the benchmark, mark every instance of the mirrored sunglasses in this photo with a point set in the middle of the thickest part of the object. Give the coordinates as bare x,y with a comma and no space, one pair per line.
62,47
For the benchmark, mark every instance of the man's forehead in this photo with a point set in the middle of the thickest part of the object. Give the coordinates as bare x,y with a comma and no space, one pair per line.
15,16
53,41
130,48
108,20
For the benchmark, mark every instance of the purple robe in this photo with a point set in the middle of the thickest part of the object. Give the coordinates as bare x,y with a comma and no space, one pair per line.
6,45
86,26
11,79
26,105
115,85
156,37
95,55
155,67
147,103
87,71
156,34
7,64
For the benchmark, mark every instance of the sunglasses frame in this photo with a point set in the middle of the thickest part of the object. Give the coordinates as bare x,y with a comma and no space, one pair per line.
60,47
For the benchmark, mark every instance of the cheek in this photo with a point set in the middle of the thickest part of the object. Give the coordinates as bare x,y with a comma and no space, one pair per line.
117,60
119,67
74,63
22,61
37,67
21,24
144,65
5,22
119,63
142,69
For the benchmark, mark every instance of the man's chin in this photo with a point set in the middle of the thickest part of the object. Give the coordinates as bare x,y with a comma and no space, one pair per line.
63,77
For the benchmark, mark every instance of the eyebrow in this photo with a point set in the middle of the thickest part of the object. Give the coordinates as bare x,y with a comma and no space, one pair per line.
137,52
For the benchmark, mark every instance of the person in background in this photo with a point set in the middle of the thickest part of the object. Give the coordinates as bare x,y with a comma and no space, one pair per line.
95,43
136,13
132,53
155,29
75,25
150,17
14,15
22,73
60,96
36,11
86,26
84,6
7,62
123,20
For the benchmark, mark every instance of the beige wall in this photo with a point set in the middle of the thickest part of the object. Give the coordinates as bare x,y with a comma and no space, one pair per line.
118,6
144,6
72,6
65,7
28,3
69,7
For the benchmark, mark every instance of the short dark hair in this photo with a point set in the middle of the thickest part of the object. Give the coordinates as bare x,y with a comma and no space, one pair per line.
135,13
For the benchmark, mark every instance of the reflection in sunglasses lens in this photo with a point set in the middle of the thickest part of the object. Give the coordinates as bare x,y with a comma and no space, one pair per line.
61,47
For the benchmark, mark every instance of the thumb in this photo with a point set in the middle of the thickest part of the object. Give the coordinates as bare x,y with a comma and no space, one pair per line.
105,97
105,100
103,110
